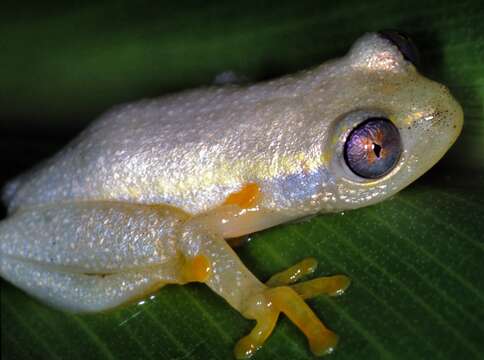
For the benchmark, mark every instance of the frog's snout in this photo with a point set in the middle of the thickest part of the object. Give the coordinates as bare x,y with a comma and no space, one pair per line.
432,132
448,117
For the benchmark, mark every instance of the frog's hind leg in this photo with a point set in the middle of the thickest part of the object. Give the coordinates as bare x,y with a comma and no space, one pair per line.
92,256
84,292
229,278
92,292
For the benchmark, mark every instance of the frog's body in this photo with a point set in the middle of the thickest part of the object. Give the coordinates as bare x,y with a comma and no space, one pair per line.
147,194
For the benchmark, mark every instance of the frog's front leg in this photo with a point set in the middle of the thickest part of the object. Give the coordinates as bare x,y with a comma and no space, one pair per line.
261,302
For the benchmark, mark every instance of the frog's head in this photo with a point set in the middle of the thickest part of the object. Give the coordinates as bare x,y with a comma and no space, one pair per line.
395,124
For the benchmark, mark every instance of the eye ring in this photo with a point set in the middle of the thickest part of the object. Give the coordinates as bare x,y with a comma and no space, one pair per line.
373,148
404,44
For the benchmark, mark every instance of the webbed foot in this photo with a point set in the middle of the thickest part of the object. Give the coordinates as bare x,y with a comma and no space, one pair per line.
286,297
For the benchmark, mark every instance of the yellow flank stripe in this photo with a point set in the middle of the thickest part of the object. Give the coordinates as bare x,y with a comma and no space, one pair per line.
246,197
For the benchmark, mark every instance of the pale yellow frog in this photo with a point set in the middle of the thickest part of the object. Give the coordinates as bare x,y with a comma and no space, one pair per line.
149,193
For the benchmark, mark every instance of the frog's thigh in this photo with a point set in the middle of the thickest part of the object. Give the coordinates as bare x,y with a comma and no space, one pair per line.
94,255
81,292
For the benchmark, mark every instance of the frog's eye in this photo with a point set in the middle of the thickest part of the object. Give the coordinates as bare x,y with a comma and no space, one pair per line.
405,44
373,148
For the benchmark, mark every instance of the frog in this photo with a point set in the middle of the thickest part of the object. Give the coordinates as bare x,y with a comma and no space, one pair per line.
153,192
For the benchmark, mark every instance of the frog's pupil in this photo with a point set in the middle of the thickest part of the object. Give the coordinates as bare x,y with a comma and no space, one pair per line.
377,149
363,150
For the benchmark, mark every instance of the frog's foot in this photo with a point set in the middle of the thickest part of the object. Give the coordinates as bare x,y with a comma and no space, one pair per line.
287,297
294,273
265,308
229,278
330,285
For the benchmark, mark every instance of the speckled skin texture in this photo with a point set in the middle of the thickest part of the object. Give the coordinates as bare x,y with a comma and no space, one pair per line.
118,212
95,255
192,149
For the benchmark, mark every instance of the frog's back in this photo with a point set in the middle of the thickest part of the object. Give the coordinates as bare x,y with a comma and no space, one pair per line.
175,150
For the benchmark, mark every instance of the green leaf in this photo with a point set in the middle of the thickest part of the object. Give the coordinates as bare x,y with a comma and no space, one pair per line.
415,260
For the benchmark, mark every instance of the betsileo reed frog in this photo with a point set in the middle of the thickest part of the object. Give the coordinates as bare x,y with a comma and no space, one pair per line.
147,195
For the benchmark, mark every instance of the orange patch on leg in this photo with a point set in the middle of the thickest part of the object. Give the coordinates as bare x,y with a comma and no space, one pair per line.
246,197
197,269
